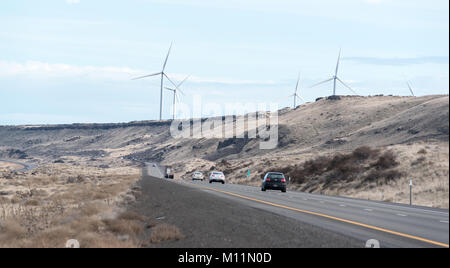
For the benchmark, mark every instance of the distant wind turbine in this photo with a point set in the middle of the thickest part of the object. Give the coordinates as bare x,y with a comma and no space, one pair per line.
163,74
335,78
175,95
410,89
295,95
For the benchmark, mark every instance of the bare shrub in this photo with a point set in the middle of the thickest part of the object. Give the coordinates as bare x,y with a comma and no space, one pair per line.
51,238
228,171
32,202
87,224
383,176
90,209
224,162
165,232
365,152
422,151
123,227
418,161
151,223
317,166
78,179
386,161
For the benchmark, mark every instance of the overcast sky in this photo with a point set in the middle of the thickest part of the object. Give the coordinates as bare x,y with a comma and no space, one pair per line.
67,61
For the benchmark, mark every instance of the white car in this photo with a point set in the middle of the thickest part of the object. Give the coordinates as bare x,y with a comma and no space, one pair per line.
197,176
217,176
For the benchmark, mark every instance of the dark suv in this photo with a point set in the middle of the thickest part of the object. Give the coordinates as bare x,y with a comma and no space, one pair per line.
274,181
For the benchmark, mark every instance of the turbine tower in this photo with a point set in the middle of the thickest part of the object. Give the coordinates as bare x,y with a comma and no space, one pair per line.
295,95
175,95
410,89
335,78
163,74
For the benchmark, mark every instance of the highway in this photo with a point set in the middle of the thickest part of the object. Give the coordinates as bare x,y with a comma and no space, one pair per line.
393,225
26,166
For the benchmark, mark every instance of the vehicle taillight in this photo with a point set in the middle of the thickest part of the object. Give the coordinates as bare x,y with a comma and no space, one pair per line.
268,179
283,180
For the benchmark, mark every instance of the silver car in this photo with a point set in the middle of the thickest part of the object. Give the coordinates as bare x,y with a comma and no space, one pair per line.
197,176
217,176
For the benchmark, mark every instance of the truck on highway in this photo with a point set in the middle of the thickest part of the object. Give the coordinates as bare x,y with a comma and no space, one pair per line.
169,173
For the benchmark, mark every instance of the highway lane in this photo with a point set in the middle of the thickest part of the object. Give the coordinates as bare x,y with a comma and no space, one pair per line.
210,221
393,225
153,170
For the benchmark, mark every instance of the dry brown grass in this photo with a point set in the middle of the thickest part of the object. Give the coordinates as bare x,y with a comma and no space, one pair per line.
132,216
430,178
45,208
165,232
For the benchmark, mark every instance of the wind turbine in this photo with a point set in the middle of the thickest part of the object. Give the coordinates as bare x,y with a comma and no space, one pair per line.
335,78
295,95
163,74
410,89
175,94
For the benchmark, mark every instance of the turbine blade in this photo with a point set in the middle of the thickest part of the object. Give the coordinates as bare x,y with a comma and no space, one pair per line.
337,65
296,87
169,79
187,77
346,86
323,82
182,93
300,98
145,76
171,89
410,89
167,57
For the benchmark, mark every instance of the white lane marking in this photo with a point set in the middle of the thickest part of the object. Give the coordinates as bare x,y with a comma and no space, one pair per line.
368,209
378,204
342,205
374,203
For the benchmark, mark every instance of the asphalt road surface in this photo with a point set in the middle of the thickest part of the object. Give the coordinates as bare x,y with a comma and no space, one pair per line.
210,221
26,166
393,225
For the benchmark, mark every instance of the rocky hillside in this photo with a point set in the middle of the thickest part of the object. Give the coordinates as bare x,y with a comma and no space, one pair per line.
322,128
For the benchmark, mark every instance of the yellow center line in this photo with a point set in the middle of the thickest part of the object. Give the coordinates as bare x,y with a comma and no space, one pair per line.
326,216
